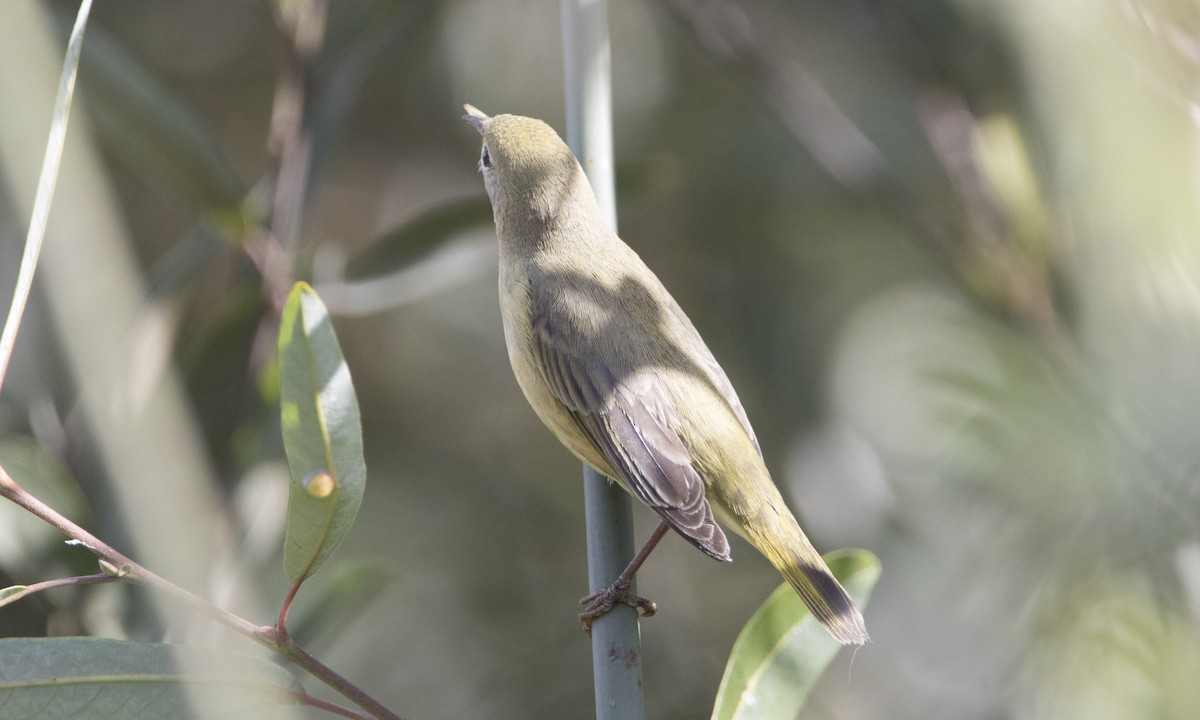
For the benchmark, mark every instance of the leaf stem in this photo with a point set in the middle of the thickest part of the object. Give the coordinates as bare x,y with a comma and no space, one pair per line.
284,607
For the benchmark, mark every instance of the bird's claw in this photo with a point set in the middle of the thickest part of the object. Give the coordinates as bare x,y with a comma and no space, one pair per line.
600,603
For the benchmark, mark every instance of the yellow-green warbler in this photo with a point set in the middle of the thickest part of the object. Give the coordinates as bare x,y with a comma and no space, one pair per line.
618,373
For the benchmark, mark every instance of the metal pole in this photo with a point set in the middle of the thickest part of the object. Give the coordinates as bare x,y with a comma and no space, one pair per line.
616,646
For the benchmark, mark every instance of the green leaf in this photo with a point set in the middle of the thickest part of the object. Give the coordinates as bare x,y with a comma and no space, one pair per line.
101,679
782,651
216,365
322,434
419,237
151,128
181,263
368,27
639,179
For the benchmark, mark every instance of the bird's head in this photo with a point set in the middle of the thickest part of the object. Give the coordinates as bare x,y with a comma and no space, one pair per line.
526,166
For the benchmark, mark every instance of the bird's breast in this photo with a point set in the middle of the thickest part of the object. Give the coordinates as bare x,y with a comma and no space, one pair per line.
516,311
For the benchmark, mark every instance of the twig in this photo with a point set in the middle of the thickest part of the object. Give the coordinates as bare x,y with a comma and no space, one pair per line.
306,699
303,25
264,635
327,675
28,590
799,100
264,250
12,491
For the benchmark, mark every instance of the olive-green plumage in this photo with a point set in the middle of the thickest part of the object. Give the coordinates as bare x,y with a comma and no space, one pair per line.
618,373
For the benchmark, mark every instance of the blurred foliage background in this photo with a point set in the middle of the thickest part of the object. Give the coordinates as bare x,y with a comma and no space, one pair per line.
947,251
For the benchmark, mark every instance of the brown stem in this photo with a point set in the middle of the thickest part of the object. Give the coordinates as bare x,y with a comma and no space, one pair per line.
14,492
284,607
306,699
268,256
103,577
327,675
303,26
265,636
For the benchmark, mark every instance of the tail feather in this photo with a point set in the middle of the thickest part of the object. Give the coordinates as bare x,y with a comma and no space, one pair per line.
784,544
827,600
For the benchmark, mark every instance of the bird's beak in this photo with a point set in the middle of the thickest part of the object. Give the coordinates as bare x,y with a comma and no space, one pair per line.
474,117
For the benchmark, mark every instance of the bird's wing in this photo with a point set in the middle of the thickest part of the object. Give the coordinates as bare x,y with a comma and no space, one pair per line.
713,370
631,423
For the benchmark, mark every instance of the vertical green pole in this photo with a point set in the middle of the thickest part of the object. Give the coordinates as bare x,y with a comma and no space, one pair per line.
616,647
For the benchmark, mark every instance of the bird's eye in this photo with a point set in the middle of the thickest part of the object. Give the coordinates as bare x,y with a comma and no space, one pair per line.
485,159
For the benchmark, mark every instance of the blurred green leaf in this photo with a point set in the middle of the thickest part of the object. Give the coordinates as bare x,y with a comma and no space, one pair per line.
147,126
638,179
26,537
782,651
356,33
41,473
216,361
419,237
368,26
352,588
322,434
100,679
196,250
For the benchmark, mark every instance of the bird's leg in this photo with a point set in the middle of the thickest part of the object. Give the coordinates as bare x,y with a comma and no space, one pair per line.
599,603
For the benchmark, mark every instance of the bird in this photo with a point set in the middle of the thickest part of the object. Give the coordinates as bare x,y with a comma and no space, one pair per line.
618,373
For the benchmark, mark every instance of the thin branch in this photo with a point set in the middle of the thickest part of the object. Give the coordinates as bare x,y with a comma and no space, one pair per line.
327,675
1026,288
264,250
28,590
303,25
264,635
306,699
12,491
794,94
813,118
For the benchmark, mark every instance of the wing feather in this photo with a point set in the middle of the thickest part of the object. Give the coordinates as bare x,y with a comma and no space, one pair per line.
713,370
630,422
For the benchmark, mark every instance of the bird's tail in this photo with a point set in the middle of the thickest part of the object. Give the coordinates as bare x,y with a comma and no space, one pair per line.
785,545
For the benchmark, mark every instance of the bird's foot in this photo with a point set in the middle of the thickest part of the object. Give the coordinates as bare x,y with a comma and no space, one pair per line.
600,603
